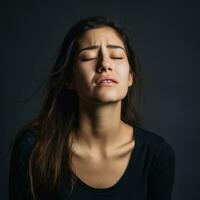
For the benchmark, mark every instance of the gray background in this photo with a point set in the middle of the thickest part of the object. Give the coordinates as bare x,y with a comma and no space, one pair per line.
166,39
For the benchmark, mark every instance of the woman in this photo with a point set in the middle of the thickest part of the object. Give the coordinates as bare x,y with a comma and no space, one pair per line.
87,142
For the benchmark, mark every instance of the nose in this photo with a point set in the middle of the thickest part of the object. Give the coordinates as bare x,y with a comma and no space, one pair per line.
104,64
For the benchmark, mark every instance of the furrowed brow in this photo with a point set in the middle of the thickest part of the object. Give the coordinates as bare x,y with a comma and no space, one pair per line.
111,46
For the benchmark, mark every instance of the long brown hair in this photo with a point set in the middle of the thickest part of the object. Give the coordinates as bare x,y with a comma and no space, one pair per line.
50,158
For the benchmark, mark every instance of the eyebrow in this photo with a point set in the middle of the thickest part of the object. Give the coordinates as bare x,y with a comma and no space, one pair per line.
112,46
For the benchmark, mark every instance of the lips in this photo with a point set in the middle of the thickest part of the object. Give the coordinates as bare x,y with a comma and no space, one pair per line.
105,78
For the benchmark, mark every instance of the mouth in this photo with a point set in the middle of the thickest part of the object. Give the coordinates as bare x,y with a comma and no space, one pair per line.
106,83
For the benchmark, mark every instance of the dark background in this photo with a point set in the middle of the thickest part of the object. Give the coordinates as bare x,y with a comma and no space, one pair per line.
166,39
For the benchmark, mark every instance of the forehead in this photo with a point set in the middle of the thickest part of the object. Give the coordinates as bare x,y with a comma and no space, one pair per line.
102,35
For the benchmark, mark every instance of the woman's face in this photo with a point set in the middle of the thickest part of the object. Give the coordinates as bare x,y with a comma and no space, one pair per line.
101,67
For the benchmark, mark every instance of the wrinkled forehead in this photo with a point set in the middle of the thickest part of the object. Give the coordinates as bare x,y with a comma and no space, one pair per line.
100,36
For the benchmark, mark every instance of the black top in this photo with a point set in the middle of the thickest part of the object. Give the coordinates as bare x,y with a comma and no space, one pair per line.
149,175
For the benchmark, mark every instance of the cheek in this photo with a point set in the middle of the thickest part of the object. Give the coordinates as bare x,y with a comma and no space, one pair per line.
83,76
123,72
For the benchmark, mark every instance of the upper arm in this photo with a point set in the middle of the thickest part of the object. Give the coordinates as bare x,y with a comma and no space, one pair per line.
18,170
161,180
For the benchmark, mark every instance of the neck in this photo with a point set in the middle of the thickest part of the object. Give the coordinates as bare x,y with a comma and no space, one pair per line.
100,126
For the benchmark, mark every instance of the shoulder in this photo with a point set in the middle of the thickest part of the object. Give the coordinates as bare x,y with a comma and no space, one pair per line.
148,135
155,146
26,139
23,145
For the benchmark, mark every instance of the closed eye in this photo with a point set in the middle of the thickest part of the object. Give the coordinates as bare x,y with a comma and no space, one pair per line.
86,59
117,58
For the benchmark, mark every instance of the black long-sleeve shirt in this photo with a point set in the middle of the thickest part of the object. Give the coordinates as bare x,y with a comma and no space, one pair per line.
149,175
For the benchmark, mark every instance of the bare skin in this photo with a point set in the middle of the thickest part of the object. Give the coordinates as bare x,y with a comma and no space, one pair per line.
103,145
103,170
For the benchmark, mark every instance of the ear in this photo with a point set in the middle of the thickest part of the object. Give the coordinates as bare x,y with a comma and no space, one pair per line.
70,85
130,78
